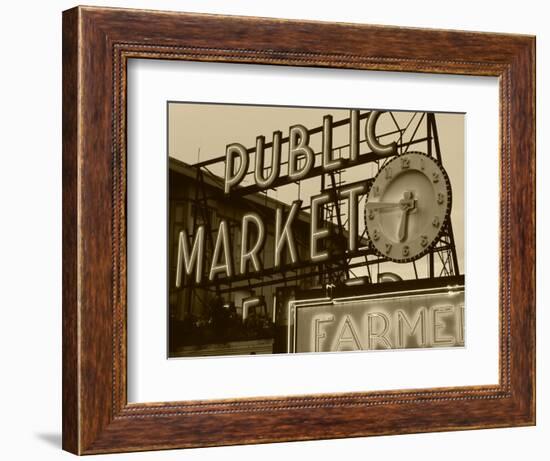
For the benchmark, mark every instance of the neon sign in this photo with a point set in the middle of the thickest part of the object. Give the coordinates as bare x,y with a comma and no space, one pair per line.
301,159
415,319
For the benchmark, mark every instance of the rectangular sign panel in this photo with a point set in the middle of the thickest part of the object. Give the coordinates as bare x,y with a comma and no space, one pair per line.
415,319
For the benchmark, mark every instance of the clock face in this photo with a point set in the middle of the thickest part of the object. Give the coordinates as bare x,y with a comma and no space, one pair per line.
407,206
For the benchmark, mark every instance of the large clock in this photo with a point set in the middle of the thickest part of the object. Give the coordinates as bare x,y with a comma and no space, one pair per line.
407,206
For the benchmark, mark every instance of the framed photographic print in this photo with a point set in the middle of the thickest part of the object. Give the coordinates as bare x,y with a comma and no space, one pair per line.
281,230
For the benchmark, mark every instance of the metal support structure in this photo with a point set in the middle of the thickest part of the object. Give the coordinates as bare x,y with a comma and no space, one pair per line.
434,135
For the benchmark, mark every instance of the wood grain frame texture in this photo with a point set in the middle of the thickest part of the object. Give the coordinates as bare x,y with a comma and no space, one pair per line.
97,43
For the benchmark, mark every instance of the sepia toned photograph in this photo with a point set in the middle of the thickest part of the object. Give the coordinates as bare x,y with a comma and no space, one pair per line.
267,226
307,229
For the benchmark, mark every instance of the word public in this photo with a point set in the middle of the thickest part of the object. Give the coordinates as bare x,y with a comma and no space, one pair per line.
301,159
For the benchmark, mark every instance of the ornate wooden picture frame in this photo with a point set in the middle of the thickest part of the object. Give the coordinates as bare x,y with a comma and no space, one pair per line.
97,45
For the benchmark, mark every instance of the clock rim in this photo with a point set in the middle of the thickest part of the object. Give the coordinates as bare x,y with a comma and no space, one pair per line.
445,220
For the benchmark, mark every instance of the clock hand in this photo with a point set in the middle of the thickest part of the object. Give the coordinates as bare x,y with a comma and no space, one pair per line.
381,205
407,204
403,225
